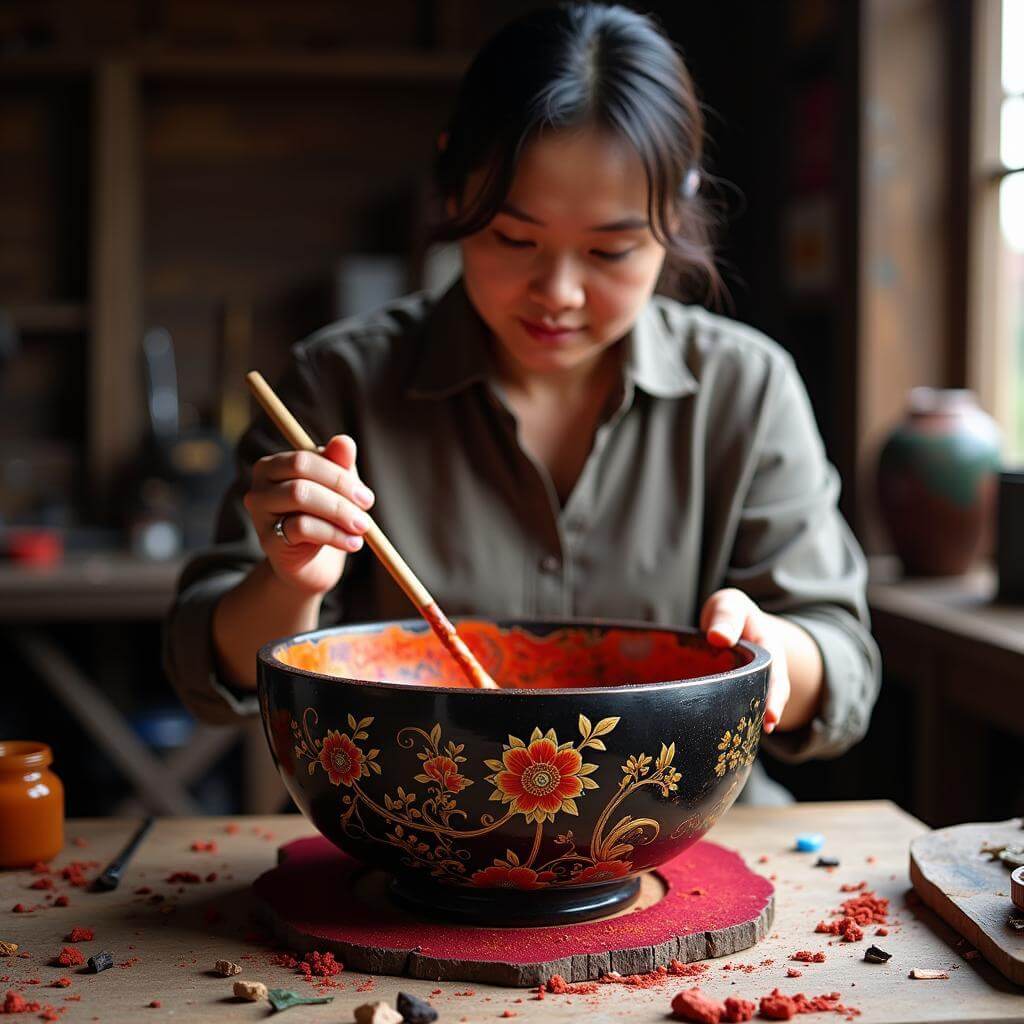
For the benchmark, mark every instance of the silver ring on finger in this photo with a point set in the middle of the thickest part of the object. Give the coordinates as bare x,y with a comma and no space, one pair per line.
278,529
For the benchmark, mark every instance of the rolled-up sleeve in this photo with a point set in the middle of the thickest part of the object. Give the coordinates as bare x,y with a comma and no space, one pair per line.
796,557
189,656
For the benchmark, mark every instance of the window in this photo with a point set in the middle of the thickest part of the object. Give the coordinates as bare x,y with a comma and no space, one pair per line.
997,286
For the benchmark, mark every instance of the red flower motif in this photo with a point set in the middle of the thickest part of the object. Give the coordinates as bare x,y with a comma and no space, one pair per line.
603,871
540,780
511,878
444,771
341,758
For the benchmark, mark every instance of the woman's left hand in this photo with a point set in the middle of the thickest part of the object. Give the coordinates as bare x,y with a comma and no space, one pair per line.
729,616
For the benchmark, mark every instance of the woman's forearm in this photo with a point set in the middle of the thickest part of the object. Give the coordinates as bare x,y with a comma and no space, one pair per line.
806,675
260,609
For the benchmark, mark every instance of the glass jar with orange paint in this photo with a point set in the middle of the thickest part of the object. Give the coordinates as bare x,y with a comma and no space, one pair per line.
31,804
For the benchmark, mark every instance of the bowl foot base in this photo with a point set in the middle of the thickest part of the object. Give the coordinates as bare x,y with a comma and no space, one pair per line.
509,907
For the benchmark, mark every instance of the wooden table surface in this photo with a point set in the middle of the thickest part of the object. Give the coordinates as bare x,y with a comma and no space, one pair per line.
177,949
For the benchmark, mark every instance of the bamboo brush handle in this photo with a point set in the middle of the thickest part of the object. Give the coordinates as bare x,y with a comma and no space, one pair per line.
399,569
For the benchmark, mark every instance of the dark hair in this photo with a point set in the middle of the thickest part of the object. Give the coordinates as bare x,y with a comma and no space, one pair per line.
573,65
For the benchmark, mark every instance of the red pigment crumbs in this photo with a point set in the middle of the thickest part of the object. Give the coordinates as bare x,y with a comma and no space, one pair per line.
881,931
16,1003
70,957
435,991
559,986
853,887
232,829
763,859
748,968
778,1006
867,908
809,957
130,962
40,868
212,876
61,901
72,999
203,846
693,1005
155,1004
74,873
79,841
182,876
20,908
792,972
60,983
320,965
42,883
80,934
652,979
366,986
509,1013
737,1010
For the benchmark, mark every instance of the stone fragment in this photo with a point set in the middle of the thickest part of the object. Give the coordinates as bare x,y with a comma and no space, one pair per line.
377,1013
251,991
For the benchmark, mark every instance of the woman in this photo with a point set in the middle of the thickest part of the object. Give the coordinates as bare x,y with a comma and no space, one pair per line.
550,439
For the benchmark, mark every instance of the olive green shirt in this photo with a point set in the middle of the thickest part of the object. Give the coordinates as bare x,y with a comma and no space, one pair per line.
708,473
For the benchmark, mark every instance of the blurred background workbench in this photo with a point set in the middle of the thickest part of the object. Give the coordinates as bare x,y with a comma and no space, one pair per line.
122,594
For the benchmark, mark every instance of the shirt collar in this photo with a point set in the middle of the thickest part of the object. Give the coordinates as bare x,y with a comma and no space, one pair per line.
654,354
454,353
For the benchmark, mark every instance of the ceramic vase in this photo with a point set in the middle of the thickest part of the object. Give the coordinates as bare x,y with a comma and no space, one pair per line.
937,482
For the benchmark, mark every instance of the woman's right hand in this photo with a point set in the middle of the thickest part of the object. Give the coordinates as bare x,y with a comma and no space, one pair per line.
321,503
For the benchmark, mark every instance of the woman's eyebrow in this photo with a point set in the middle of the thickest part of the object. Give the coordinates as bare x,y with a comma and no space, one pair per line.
625,224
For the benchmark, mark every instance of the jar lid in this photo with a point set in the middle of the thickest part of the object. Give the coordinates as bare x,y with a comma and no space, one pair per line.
24,755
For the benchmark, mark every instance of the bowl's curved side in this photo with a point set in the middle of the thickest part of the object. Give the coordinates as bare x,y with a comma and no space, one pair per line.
525,790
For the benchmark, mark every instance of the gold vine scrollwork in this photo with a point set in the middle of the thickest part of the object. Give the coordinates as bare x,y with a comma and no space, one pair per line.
539,778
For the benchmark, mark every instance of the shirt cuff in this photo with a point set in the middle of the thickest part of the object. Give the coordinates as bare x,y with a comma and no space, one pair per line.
850,685
189,658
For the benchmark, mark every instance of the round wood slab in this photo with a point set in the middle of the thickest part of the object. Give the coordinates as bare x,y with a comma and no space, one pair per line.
704,903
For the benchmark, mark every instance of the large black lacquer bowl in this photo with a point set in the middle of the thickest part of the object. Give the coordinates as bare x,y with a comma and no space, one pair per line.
610,748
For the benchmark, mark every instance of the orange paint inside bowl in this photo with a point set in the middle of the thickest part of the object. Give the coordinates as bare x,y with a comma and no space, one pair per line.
565,658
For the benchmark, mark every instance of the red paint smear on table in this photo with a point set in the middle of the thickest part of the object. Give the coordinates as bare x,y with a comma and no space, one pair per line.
311,891
565,658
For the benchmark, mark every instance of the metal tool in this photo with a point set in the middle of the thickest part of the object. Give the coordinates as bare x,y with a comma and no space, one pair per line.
110,879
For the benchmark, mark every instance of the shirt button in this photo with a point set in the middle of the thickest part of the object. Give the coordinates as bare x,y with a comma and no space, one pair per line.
550,563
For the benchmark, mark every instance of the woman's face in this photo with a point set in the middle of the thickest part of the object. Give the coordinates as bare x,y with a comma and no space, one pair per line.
563,270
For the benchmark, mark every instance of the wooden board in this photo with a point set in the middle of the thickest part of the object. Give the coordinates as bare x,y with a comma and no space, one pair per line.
703,903
970,891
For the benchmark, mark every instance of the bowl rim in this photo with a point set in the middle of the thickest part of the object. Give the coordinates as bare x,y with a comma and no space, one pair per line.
760,658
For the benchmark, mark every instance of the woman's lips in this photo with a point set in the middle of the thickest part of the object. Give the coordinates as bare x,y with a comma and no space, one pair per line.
549,334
